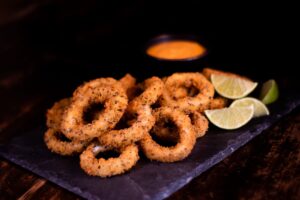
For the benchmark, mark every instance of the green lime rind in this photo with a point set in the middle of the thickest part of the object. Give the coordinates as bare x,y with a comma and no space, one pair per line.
269,92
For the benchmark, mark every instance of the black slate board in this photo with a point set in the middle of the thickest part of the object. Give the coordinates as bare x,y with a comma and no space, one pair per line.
147,180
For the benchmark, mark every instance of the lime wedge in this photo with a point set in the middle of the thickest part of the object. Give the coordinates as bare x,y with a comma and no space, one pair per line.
232,87
260,109
230,118
269,92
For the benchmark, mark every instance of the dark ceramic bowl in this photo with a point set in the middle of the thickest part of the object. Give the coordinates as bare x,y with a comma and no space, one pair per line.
164,67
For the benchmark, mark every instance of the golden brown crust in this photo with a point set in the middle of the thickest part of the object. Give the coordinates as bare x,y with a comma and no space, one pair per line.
199,123
218,103
136,131
55,143
65,148
187,138
139,106
180,97
188,103
152,89
115,102
108,167
80,90
181,92
128,83
55,113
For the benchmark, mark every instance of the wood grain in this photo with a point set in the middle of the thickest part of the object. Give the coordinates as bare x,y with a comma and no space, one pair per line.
32,190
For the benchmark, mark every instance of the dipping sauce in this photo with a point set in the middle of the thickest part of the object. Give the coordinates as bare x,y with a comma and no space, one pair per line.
176,50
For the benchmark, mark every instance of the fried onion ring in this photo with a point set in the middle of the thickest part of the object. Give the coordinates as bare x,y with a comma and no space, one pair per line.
187,138
218,103
94,84
55,113
52,136
152,89
65,148
128,83
165,133
111,95
199,123
108,167
180,93
188,103
136,131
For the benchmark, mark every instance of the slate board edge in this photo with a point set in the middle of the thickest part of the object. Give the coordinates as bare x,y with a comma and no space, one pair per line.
294,103
172,187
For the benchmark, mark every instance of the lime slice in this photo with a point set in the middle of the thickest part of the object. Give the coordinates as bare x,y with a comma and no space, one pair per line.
230,118
232,87
269,92
259,107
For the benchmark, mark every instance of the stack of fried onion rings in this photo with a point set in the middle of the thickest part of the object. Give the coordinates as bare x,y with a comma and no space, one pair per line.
180,98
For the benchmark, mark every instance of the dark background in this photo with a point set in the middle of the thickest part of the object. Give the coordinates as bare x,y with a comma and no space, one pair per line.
64,41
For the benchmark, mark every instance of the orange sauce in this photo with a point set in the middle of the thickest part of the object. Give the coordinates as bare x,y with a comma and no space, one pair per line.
176,50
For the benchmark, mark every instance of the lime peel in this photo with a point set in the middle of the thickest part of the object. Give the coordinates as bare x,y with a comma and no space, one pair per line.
269,92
